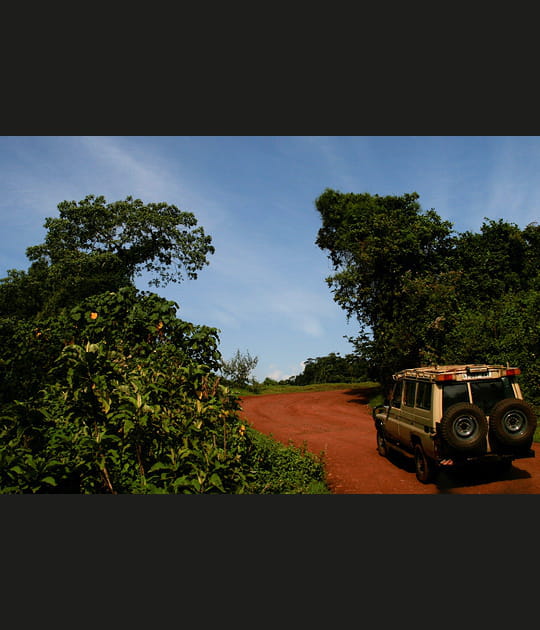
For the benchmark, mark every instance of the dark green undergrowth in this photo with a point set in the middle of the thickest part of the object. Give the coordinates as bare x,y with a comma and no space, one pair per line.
284,469
119,396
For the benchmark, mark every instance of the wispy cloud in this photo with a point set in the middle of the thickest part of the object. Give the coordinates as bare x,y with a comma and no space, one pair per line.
119,160
145,172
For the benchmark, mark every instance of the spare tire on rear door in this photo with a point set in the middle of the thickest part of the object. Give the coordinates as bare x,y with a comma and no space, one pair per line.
513,422
464,427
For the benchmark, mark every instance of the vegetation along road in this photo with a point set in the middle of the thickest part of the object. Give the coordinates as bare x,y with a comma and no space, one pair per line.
339,423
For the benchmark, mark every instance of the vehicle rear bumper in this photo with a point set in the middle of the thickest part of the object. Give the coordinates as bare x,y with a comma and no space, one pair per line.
486,457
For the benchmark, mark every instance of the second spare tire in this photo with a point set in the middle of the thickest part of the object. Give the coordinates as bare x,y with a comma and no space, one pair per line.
513,422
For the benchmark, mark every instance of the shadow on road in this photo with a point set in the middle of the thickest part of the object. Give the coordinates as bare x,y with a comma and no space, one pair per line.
478,474
361,394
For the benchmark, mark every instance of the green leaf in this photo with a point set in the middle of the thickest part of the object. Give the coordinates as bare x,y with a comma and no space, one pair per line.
159,466
216,481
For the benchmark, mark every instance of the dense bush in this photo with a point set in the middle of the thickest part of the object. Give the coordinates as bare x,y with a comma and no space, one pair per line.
284,469
102,388
123,398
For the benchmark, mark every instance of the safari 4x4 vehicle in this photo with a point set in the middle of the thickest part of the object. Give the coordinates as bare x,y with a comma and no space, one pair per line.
455,414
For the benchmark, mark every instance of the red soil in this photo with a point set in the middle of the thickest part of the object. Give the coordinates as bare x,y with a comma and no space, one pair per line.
339,424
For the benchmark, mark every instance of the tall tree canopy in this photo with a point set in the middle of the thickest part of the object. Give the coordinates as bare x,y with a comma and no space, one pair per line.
379,246
95,246
372,242
423,293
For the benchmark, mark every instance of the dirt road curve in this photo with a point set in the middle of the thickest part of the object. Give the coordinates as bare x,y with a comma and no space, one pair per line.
339,423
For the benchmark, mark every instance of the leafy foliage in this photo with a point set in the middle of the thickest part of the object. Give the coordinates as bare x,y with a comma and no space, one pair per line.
130,403
135,236
374,243
127,400
285,469
238,369
332,369
103,389
94,246
423,294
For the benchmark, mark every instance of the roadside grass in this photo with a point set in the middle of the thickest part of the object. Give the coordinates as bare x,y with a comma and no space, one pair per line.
285,468
261,389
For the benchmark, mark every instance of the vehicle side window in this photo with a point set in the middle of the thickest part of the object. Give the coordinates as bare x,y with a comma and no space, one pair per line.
454,393
410,392
423,396
396,396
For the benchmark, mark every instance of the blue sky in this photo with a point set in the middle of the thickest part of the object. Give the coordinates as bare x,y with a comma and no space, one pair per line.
265,285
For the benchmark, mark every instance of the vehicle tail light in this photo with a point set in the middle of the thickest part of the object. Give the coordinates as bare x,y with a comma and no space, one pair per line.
512,371
445,377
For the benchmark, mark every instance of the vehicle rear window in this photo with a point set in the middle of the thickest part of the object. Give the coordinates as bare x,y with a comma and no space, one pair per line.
486,393
454,393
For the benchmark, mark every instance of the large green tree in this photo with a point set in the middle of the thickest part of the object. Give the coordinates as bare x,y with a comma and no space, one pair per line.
495,318
423,293
380,246
95,246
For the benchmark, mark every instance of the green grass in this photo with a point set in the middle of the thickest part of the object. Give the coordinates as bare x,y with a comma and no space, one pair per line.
284,468
261,390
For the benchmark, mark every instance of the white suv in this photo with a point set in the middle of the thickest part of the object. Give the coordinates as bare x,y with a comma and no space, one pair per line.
454,414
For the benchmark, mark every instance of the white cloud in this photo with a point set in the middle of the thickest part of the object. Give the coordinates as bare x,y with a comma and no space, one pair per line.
278,374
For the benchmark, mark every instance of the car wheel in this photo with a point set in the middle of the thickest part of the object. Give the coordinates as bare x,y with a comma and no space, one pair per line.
464,427
424,467
513,422
382,446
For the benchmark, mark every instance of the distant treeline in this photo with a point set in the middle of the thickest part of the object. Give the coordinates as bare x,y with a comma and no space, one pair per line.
332,368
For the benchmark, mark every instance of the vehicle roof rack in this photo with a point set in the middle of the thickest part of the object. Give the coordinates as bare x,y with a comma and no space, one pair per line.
462,372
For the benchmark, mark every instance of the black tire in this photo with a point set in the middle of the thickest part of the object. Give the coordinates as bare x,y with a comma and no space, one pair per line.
464,427
382,446
424,467
513,422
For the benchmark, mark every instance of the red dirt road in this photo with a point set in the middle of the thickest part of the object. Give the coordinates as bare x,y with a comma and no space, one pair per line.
339,423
